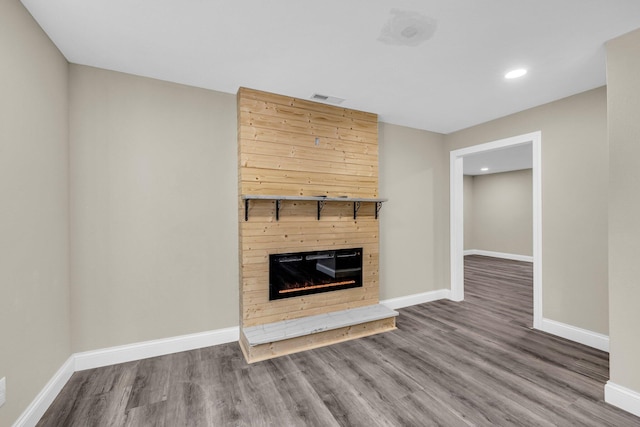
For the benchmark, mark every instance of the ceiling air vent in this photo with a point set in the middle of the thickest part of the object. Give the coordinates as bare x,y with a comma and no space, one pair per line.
325,98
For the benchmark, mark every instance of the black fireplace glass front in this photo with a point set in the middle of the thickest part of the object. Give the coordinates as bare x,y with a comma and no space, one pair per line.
303,273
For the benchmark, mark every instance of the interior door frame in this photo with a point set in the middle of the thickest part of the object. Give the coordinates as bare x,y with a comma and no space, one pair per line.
456,215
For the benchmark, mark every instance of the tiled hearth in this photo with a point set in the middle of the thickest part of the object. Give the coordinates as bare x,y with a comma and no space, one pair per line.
271,340
287,329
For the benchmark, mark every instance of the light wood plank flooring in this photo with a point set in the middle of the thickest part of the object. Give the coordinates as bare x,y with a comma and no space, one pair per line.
450,364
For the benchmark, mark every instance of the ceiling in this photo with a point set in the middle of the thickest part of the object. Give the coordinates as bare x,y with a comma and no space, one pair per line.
448,74
501,160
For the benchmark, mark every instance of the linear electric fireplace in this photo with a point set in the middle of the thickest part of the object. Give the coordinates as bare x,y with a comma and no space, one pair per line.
302,273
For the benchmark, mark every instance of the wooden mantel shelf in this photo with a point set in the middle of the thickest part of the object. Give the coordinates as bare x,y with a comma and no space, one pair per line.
321,200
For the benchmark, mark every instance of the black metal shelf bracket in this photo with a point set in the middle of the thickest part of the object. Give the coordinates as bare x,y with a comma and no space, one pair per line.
356,208
320,207
278,206
320,200
378,207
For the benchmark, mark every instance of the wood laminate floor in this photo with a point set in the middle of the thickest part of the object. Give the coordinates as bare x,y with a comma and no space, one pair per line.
475,362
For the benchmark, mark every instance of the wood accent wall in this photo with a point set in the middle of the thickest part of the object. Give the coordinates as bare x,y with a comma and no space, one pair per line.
279,155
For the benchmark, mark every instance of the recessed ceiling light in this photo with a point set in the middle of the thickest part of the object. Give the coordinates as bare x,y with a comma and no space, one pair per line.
484,169
514,74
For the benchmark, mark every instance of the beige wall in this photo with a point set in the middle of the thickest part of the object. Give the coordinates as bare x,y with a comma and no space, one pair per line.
414,233
153,204
34,285
500,211
574,201
153,182
623,80
154,209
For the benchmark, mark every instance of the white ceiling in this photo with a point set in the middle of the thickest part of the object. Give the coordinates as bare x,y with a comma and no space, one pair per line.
450,81
501,160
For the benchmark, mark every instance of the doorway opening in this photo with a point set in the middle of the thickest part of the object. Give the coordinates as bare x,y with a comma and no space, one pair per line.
457,214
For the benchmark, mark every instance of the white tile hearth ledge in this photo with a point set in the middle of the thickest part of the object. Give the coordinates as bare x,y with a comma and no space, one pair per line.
287,329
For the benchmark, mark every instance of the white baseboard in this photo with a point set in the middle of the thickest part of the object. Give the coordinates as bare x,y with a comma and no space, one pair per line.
47,395
406,301
622,397
515,257
573,333
143,350
119,354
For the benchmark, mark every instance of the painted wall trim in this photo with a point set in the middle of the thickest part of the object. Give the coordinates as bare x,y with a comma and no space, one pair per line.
515,257
573,333
47,395
456,225
406,301
119,354
143,350
456,214
622,397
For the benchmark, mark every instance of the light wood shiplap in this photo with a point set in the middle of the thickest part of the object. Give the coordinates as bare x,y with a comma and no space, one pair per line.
293,147
296,147
280,348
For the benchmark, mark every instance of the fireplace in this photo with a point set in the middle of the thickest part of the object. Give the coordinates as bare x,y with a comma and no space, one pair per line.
303,273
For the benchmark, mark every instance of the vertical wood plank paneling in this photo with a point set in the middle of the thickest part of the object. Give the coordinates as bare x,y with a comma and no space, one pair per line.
294,147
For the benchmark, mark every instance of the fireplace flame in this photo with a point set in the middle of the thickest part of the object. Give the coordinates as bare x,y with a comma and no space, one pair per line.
326,285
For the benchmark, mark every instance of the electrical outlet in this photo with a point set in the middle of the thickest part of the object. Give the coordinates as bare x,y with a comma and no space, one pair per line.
3,390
